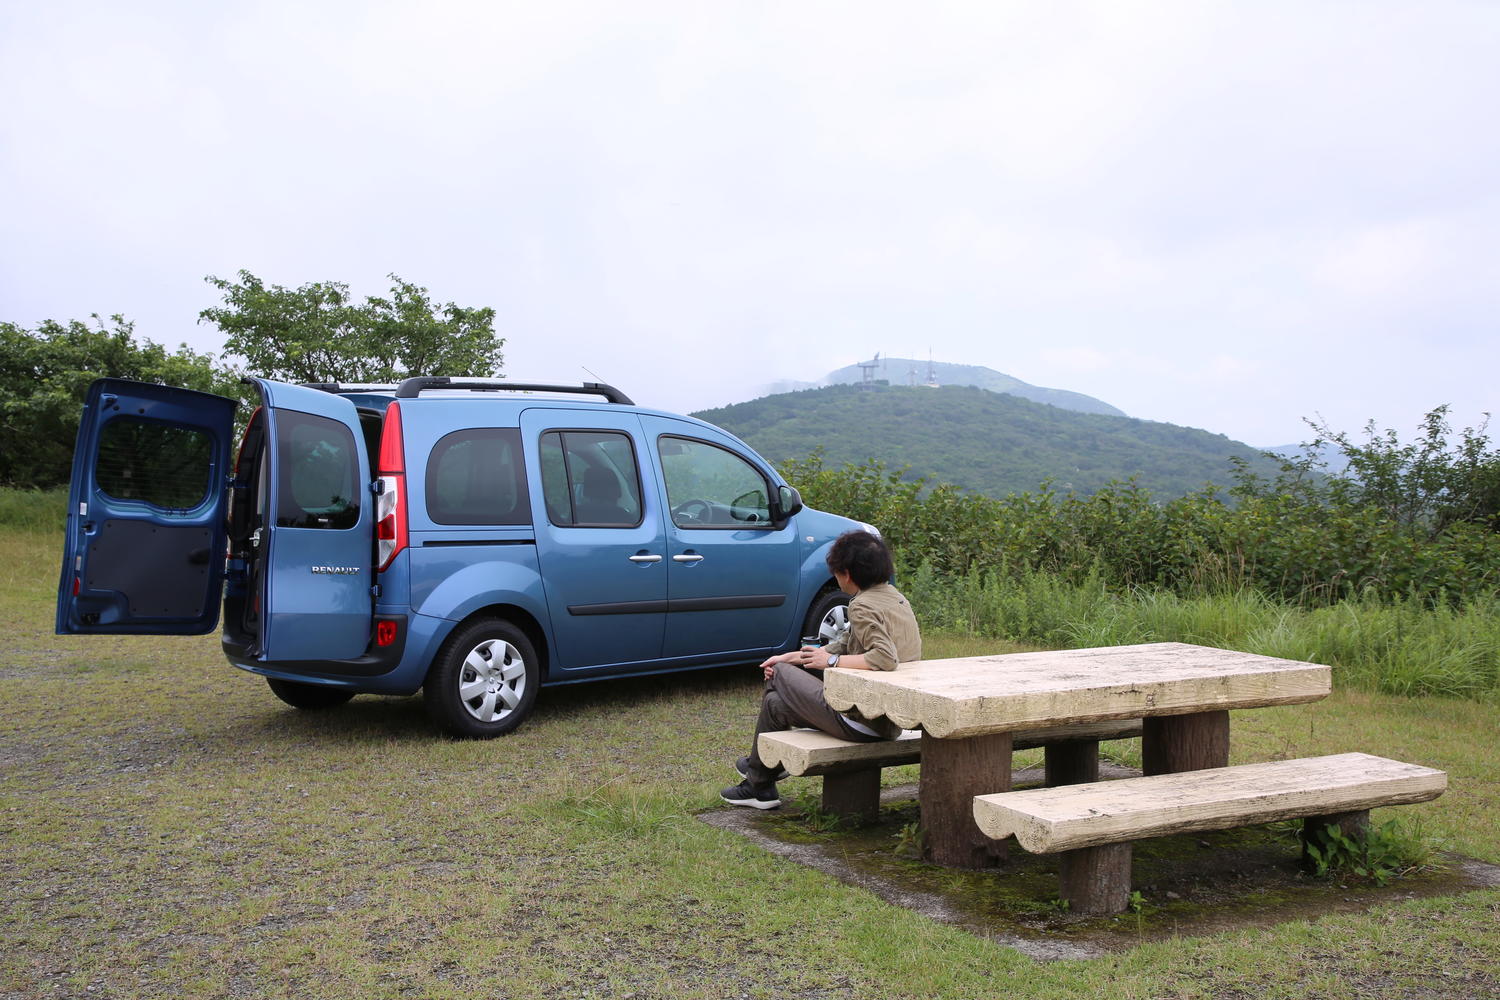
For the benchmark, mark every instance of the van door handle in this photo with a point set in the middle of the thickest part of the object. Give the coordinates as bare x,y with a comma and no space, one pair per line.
642,557
687,558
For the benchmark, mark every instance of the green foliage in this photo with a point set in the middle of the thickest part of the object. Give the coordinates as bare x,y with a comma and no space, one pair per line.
317,333
44,374
1402,646
1399,597
1428,484
808,811
1377,854
987,442
1296,540
909,841
33,510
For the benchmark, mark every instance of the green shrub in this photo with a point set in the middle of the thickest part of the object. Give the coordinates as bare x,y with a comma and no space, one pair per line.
33,510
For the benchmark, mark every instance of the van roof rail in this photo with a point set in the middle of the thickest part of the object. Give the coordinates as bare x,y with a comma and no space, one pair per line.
413,387
348,386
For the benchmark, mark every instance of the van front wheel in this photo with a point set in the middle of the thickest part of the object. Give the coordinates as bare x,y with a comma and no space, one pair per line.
484,680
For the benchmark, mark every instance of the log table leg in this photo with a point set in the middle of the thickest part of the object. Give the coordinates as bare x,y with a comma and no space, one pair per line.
1173,743
953,772
1095,881
1071,763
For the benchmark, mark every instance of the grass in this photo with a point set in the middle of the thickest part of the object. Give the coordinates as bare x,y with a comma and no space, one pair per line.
1396,647
171,830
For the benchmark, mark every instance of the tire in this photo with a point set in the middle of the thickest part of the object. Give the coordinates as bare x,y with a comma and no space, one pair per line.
308,697
828,617
484,680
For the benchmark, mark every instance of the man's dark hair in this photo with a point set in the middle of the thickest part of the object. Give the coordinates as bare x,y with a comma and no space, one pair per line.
864,556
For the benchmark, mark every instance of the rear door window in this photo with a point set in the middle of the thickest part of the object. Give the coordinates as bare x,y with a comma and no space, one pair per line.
590,479
319,481
156,463
476,476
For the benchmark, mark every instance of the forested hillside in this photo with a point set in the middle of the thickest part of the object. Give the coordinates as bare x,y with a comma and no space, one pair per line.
983,441
908,371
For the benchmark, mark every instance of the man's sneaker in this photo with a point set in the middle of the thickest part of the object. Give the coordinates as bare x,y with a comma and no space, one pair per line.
743,766
746,794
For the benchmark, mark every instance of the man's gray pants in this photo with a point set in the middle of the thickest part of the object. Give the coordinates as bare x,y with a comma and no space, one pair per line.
793,699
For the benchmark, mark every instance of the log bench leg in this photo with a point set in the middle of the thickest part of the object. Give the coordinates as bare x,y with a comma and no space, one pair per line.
1353,824
1071,763
1174,743
953,772
1095,881
853,795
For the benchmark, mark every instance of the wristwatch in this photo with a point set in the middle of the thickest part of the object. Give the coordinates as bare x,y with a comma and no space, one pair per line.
833,659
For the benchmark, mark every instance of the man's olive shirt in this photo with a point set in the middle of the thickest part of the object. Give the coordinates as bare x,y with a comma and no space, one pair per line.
883,629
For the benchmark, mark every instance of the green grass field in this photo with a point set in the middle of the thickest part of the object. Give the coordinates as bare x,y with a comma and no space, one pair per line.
171,830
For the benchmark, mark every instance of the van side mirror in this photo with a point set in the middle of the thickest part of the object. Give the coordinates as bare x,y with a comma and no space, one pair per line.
788,502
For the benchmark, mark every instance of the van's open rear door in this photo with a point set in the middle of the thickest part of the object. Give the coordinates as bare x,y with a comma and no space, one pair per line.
145,539
312,566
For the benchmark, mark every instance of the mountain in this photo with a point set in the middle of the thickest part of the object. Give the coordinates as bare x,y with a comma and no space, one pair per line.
989,442
905,371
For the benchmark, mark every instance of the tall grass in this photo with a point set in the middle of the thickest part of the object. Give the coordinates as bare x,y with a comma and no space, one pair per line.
1403,646
33,510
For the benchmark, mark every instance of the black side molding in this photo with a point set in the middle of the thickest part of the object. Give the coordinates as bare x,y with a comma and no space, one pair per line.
680,605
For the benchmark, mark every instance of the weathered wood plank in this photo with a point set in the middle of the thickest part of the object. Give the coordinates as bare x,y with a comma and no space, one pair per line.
1018,691
1069,817
808,752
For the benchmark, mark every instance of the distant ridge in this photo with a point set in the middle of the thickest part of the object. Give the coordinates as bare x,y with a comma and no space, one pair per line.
909,371
985,441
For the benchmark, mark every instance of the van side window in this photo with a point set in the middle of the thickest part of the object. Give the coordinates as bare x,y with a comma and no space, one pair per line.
712,487
589,479
319,472
159,464
476,476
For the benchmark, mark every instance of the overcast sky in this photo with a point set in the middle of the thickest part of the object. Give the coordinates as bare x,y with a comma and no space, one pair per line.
1228,216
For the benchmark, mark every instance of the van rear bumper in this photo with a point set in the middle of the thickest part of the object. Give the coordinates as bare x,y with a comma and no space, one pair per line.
377,661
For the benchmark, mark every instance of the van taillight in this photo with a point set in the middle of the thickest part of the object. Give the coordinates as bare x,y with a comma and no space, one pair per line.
385,633
390,509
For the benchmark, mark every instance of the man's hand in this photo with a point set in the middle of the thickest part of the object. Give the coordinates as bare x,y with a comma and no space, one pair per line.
811,657
768,668
814,657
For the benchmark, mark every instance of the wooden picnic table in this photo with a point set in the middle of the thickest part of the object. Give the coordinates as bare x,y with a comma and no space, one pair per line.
967,708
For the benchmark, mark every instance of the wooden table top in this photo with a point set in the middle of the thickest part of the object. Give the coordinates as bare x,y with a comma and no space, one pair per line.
973,695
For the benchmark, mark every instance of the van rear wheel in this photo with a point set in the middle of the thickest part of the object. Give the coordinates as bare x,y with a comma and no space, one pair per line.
484,680
308,697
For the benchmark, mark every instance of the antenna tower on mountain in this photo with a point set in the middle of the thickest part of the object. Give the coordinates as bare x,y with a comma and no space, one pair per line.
932,382
867,370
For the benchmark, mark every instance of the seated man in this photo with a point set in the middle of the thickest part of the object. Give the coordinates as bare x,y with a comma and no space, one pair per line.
882,633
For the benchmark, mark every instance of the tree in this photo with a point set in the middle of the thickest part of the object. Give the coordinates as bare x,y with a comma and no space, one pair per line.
44,374
1428,483
317,333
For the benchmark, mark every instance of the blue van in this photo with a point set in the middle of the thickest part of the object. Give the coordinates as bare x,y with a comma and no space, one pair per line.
473,538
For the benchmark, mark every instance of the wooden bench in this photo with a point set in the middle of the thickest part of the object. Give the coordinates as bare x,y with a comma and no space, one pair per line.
851,771
1092,825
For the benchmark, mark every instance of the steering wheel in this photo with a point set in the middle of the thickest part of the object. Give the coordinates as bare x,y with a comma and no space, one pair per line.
685,511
